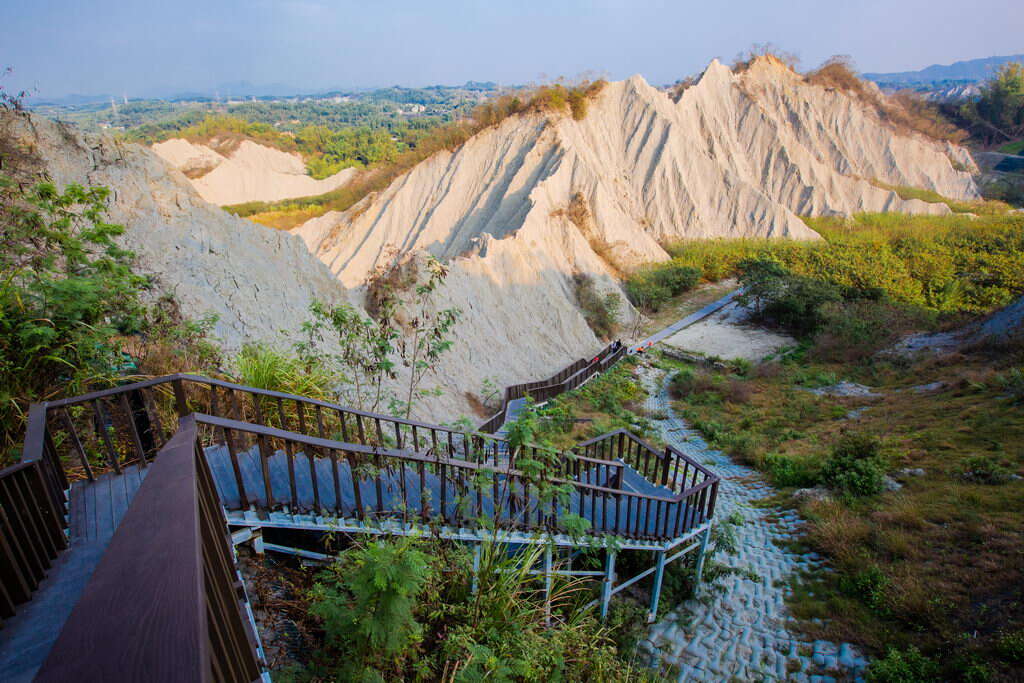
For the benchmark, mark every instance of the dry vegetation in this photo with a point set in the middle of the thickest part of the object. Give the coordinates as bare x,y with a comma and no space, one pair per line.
906,112
936,564
554,98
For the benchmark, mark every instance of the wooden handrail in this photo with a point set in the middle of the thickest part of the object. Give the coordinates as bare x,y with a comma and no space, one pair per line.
163,604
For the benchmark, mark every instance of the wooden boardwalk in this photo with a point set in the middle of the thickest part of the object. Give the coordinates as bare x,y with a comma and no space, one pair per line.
95,510
398,495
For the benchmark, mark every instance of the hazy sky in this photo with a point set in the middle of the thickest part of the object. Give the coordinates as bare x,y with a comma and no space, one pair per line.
141,47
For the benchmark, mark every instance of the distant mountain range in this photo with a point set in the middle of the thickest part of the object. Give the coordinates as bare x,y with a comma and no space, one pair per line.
971,70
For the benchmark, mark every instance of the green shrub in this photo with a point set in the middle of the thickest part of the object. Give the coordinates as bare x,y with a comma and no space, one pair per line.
689,381
600,312
855,466
870,586
367,600
1010,646
903,666
403,609
67,292
650,288
1012,382
985,469
788,470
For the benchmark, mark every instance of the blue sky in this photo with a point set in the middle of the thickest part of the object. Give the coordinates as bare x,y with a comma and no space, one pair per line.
140,47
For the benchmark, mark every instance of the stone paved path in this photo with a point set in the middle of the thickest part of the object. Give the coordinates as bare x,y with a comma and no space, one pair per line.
740,633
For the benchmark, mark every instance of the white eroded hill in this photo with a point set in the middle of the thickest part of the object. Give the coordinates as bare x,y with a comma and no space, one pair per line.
736,155
250,172
257,281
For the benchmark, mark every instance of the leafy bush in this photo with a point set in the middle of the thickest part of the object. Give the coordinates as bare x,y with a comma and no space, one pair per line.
792,301
367,599
67,291
689,381
855,466
650,288
404,609
903,666
869,585
1012,382
985,469
788,470
1010,646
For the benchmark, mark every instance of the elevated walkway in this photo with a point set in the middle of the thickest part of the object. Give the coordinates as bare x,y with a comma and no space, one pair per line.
99,522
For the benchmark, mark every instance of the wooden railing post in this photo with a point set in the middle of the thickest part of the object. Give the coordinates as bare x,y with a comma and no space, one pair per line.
180,399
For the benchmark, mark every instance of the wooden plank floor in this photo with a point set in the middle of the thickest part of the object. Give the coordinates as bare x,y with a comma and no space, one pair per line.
94,512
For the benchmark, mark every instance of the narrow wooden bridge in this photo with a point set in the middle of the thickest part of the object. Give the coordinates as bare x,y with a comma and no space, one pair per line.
114,527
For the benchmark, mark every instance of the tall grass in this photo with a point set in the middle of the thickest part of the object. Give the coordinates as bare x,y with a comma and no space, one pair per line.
953,263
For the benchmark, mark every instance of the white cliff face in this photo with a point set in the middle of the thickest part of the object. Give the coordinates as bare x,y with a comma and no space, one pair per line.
252,172
737,156
258,281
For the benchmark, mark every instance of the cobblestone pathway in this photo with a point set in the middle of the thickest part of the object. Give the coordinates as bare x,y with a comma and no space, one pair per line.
740,633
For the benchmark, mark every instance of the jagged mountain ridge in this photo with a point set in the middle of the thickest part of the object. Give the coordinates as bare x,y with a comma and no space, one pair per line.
738,155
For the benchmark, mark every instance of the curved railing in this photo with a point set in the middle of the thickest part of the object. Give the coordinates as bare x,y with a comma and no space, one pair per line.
564,380
108,430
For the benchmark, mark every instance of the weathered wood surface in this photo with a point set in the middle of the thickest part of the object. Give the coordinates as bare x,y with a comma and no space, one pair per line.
95,510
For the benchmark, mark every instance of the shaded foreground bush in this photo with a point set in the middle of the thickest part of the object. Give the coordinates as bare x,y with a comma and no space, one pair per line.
405,609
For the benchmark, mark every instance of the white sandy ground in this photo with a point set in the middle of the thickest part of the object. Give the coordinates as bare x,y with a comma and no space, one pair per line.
253,172
728,335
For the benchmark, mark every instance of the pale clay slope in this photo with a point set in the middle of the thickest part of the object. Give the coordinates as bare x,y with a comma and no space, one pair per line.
738,155
252,172
257,281
718,162
260,282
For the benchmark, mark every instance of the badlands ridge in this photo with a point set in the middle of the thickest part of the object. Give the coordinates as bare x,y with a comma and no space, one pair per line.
736,155
251,172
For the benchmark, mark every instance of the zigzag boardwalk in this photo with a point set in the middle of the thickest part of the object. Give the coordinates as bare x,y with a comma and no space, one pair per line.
247,458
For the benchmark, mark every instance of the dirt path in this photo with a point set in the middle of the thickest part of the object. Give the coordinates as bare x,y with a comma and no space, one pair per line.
737,629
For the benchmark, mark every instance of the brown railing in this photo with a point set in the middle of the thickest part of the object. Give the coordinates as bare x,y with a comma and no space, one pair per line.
165,601
695,486
471,474
564,380
271,469
31,532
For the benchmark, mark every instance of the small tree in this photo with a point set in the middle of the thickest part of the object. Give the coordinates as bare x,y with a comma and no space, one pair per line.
66,291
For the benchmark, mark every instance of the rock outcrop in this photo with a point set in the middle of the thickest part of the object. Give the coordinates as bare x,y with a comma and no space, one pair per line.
250,172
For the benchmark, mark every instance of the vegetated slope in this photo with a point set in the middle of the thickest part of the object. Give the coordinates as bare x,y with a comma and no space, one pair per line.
249,172
738,155
256,280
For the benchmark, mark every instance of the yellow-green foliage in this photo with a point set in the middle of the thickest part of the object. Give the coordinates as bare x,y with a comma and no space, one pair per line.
377,176
942,263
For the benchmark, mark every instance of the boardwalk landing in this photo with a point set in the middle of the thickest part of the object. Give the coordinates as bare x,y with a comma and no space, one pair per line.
95,510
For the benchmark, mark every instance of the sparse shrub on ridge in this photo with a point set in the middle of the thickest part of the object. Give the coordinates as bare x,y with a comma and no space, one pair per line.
600,312
905,111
